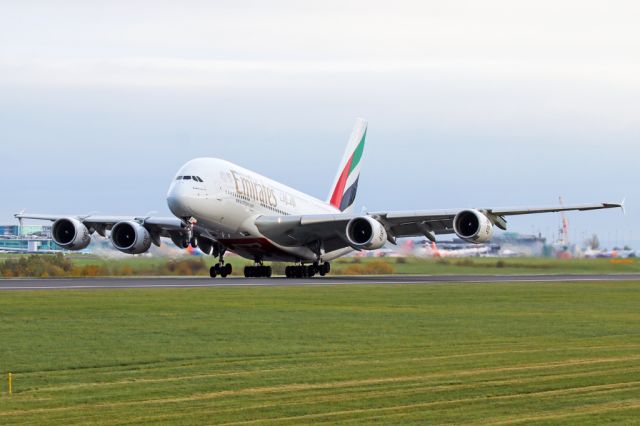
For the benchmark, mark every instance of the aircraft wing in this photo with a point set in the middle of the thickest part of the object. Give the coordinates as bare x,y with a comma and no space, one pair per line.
161,226
330,229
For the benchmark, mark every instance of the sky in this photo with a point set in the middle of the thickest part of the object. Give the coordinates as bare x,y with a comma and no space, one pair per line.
470,104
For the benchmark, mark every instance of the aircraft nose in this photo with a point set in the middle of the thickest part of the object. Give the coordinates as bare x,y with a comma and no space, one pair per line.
179,200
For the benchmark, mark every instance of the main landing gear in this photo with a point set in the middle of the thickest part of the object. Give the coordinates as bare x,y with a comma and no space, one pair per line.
221,268
258,271
302,271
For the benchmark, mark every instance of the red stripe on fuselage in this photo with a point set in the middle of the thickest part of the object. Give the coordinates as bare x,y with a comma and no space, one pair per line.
338,192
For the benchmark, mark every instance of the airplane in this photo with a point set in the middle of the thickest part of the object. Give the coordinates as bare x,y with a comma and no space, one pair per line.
219,206
433,251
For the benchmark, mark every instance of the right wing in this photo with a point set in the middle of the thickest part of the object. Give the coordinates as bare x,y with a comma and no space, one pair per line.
168,227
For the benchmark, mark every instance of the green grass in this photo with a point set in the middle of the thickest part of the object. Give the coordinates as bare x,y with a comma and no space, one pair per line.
145,266
524,265
454,353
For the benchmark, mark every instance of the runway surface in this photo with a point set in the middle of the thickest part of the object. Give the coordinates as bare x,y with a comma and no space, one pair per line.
172,282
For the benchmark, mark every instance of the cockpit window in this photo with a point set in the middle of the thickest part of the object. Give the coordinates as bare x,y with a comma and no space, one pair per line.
196,178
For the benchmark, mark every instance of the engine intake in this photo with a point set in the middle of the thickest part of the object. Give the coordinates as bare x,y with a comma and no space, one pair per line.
70,233
130,237
473,226
366,233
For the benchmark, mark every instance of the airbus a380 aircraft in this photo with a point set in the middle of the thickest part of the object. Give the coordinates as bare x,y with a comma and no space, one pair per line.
220,206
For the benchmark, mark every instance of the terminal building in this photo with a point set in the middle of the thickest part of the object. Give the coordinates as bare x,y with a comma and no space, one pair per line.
27,239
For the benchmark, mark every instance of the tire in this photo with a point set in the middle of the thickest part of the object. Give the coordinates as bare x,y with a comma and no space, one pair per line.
247,272
269,272
228,268
212,272
311,271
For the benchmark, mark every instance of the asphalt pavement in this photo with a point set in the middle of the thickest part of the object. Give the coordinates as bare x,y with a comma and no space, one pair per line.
191,282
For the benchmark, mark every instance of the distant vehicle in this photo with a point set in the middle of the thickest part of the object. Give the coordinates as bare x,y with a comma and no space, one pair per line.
220,206
27,251
606,254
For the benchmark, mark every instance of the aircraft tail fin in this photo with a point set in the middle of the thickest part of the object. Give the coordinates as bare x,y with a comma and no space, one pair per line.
345,185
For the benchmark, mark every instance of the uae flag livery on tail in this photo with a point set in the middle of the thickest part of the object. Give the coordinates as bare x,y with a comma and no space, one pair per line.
345,186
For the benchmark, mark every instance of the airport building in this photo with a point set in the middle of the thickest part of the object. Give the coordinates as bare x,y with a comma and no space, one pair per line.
8,231
27,238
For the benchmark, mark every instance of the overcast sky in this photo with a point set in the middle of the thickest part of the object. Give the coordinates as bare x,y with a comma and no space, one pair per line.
470,104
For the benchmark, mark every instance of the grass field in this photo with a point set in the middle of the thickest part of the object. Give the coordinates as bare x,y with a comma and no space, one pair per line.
89,265
454,353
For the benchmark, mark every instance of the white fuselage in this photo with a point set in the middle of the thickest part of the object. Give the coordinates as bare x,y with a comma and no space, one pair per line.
227,202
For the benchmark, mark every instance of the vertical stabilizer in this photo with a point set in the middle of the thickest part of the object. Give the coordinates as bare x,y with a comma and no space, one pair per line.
345,186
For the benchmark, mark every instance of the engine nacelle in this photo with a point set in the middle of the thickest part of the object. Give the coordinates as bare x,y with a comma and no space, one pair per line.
70,233
473,226
130,237
366,233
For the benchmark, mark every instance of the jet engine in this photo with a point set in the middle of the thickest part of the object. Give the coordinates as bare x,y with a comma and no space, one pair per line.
473,226
70,233
366,233
130,237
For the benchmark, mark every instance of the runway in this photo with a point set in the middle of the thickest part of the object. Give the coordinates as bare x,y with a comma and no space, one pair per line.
195,282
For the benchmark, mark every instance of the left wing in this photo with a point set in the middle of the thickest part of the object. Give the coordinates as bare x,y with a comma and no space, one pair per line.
411,224
331,229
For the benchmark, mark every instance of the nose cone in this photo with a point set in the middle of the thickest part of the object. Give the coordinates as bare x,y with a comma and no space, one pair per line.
179,200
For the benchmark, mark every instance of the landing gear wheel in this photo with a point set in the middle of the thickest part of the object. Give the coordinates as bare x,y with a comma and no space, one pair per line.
194,242
311,270
324,269
224,270
258,271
